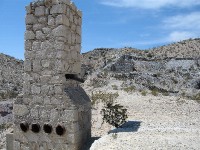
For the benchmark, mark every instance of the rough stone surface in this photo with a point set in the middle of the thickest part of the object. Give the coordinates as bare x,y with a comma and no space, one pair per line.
48,96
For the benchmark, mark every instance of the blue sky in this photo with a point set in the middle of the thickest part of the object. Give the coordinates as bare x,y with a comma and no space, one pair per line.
140,24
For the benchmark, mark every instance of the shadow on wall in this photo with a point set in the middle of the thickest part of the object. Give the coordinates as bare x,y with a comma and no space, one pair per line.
130,126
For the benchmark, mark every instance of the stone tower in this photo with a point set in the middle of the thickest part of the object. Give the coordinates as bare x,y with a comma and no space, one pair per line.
54,112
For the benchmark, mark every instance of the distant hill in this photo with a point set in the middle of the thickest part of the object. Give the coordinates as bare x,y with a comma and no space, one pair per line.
184,49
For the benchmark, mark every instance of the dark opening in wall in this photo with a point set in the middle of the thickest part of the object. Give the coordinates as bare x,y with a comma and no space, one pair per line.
73,77
24,126
47,128
197,85
35,127
60,130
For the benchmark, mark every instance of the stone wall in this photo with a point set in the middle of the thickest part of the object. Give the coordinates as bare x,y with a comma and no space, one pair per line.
54,111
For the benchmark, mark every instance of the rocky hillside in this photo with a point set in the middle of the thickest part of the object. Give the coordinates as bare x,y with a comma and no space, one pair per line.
11,77
171,70
184,49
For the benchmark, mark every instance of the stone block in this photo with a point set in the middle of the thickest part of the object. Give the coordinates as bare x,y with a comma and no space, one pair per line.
78,30
45,89
29,27
34,113
46,45
45,63
59,66
47,100
28,45
36,46
58,79
58,9
36,66
40,11
40,35
73,27
47,11
71,115
58,89
59,45
9,141
16,145
30,19
38,26
37,100
20,110
29,35
29,54
76,67
27,65
75,137
42,20
51,20
35,89
45,79
78,39
26,88
61,55
61,30
62,20
46,30
54,115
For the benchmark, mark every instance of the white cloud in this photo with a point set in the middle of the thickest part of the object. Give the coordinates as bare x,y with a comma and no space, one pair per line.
182,27
176,36
150,4
187,22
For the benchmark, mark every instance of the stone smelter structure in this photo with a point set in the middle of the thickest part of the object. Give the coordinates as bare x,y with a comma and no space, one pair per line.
54,112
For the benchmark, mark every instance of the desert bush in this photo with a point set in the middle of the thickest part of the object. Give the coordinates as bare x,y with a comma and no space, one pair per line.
129,89
114,87
103,97
115,115
196,97
154,92
144,93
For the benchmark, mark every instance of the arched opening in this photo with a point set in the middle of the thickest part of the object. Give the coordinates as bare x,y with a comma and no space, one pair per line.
60,130
47,128
24,126
35,127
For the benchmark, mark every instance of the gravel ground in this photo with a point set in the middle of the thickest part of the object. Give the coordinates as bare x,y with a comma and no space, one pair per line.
154,123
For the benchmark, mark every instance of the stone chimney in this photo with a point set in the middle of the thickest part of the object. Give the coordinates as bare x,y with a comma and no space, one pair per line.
54,112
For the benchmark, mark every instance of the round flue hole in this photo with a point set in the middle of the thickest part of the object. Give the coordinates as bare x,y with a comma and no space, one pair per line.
24,126
35,127
47,128
60,130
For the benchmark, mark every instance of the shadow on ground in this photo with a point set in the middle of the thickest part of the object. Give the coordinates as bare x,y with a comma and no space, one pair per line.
130,126
89,143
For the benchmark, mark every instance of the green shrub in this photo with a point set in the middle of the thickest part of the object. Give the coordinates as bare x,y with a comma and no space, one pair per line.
103,97
129,89
96,82
114,87
115,115
154,92
196,97
144,93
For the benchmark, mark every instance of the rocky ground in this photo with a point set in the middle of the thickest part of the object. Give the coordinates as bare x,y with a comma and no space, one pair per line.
154,122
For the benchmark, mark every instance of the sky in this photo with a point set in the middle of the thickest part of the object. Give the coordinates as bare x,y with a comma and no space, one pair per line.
140,24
